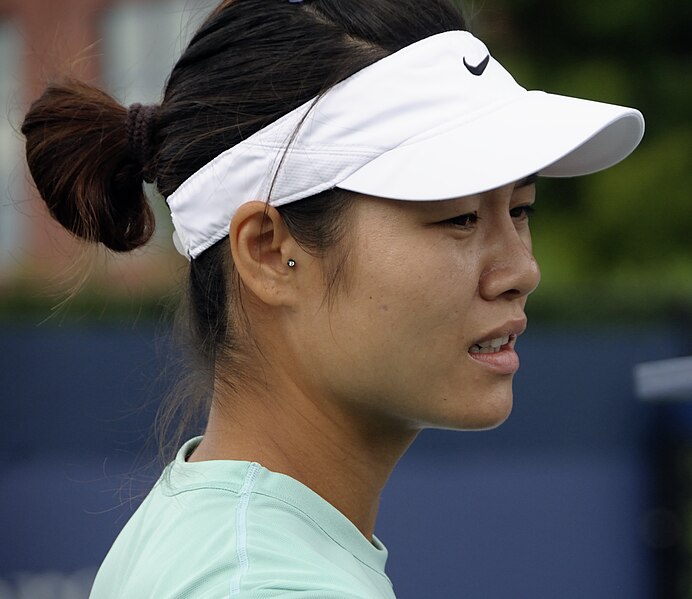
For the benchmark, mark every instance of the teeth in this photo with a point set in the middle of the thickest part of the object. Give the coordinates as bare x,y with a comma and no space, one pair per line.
477,349
499,342
489,347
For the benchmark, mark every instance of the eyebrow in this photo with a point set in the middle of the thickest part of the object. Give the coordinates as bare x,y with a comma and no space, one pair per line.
530,180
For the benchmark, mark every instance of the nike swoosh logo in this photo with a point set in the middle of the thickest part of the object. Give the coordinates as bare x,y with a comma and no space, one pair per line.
479,68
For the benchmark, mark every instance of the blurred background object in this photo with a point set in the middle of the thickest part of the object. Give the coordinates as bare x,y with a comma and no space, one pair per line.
584,492
126,47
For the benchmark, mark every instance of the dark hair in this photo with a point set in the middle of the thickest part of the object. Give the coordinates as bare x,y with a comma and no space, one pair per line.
251,62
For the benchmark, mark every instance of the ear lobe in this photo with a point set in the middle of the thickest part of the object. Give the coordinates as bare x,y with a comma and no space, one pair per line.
261,246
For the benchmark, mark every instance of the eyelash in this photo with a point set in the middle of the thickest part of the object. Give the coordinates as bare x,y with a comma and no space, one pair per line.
524,212
467,221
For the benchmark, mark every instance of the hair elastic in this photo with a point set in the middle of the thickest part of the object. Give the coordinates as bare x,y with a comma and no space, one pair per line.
140,128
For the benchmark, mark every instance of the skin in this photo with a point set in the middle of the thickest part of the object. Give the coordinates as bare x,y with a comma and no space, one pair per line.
342,387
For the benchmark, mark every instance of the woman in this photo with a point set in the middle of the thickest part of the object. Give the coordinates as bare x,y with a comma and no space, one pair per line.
351,182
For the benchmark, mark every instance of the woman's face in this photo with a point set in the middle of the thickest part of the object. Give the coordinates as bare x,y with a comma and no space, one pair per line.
423,330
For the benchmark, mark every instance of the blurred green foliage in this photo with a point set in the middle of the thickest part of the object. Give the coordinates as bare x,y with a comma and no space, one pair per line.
617,244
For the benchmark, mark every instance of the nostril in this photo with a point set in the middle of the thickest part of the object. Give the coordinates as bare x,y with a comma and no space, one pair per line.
515,293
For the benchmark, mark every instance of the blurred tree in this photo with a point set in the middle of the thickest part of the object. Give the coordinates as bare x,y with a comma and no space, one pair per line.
620,238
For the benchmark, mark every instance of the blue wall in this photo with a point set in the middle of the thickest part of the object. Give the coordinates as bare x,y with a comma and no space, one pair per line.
552,504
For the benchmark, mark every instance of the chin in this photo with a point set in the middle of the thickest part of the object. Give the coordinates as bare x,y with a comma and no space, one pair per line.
488,423
491,413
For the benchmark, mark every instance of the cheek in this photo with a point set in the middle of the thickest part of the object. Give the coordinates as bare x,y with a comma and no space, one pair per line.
413,318
420,287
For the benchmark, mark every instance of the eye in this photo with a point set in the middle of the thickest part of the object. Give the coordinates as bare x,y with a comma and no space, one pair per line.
522,212
463,221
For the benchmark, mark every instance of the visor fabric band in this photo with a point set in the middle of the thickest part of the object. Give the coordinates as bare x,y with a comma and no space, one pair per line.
439,119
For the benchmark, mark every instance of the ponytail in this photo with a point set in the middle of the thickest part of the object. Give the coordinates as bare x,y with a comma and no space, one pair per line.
85,167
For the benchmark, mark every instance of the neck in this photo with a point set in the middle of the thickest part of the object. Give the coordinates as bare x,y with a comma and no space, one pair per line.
342,454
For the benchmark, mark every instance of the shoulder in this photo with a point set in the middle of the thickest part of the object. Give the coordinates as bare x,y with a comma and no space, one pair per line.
223,538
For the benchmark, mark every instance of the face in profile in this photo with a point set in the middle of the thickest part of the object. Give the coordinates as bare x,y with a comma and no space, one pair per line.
423,329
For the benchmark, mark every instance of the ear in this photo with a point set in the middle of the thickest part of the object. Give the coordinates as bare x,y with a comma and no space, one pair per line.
261,246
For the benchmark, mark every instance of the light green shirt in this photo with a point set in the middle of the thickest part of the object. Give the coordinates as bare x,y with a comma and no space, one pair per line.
217,529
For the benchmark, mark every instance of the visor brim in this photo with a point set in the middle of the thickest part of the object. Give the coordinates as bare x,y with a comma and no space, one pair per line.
548,134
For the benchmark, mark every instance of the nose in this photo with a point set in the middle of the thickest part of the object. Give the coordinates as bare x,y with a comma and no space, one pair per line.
512,271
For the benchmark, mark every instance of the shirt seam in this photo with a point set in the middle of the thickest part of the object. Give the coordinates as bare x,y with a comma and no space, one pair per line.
241,528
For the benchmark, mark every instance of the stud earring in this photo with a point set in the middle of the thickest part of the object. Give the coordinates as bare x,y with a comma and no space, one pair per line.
291,263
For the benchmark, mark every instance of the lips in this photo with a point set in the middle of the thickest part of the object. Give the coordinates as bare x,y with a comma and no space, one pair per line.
494,351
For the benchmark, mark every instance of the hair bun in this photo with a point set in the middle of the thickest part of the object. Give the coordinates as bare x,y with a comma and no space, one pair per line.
86,168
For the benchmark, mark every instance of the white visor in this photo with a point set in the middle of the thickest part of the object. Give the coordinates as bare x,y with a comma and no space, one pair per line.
439,119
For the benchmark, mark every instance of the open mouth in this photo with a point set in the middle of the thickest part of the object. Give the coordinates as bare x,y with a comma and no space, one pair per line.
492,346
